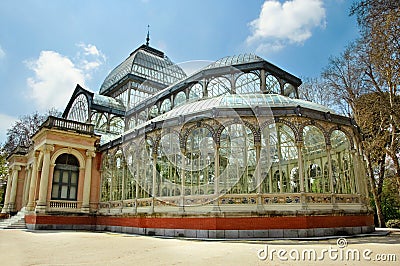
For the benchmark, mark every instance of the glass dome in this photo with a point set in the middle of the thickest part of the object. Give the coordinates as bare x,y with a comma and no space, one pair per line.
148,63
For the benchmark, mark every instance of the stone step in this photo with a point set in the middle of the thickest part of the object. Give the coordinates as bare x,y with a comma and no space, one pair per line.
15,222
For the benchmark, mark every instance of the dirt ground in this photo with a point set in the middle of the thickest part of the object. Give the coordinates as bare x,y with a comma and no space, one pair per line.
20,247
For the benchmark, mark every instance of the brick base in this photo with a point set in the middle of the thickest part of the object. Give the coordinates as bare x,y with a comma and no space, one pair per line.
210,227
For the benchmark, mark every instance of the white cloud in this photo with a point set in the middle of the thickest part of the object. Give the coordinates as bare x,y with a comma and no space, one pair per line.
56,75
2,53
90,59
54,81
290,22
6,122
89,49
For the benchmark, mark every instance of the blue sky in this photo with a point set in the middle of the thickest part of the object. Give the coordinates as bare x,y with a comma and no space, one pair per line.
47,47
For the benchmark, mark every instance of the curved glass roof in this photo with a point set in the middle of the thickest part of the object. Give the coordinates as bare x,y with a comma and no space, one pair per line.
148,64
241,100
108,102
235,60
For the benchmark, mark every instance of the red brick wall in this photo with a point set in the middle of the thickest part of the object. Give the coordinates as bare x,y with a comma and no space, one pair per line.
210,223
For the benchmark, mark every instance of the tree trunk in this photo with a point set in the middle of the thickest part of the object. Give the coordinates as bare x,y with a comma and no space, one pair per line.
381,220
382,164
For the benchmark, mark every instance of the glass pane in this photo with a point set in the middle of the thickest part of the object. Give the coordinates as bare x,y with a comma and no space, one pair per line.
56,176
64,191
65,176
54,193
72,193
74,177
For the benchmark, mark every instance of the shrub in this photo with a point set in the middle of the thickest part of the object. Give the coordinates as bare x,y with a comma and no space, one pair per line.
395,223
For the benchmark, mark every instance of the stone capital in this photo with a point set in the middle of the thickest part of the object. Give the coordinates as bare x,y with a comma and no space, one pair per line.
47,148
90,154
16,168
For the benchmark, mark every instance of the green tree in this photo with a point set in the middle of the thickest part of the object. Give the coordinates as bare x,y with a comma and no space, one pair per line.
21,132
3,176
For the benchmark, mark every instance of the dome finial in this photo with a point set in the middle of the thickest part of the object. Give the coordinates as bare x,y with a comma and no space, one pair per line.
148,35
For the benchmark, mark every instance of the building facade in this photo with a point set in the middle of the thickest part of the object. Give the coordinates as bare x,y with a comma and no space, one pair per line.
227,152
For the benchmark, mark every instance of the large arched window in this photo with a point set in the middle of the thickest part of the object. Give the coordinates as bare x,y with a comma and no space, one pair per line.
131,172
165,106
289,90
117,125
218,86
279,159
168,165
65,178
200,162
180,99
248,83
106,176
99,120
237,160
145,168
79,110
118,172
196,91
342,168
272,85
315,157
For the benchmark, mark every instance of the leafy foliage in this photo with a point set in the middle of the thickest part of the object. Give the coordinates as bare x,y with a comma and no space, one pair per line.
21,132
3,175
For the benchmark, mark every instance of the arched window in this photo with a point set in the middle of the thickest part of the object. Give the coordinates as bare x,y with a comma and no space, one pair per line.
289,90
145,168
196,91
200,161
272,85
99,120
153,111
237,159
315,156
131,172
117,125
141,118
79,110
168,164
65,178
218,86
343,176
279,156
180,99
106,175
165,106
248,83
118,172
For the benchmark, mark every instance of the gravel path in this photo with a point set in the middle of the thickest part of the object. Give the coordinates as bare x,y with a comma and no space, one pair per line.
19,247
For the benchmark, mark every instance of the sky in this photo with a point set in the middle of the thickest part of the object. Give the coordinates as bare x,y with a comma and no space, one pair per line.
47,47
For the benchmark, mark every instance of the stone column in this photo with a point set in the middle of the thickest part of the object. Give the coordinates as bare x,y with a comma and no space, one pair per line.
11,202
6,208
26,185
87,181
32,185
44,179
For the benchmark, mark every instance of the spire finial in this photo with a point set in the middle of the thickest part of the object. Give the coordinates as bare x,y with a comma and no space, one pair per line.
148,35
